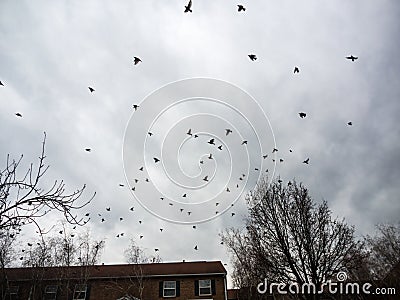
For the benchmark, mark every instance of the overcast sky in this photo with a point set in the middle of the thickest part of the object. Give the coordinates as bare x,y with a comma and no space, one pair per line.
52,51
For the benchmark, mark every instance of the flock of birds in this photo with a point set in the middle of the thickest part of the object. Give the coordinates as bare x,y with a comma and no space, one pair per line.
228,131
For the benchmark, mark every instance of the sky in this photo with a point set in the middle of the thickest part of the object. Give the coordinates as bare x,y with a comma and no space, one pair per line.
195,74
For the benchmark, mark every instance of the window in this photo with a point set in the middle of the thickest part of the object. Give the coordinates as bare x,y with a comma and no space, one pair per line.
169,289
12,293
204,287
50,292
80,292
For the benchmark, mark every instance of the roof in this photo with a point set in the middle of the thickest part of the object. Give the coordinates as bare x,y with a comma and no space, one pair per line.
117,271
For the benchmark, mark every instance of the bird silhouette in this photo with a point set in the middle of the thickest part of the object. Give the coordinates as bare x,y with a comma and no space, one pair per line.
1,83
18,114
102,220
252,57
244,142
353,58
134,188
189,132
136,60
140,222
30,245
210,156
205,178
195,248
241,8
91,89
228,190
162,198
121,219
302,115
194,226
196,136
350,123
156,249
281,160
136,180
211,142
141,169
296,70
228,131
108,208
132,208
150,133
60,232
279,181
88,149
147,180
87,214
306,161
121,185
156,160
171,204
161,229
274,150
141,236
184,195
202,162
220,147
188,7
135,106
181,209
189,213
233,214
290,150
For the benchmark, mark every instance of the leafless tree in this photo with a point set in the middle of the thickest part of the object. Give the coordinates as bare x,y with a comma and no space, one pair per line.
384,249
23,200
289,239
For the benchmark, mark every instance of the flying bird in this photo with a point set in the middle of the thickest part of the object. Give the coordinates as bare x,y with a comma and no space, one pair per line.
350,123
18,114
135,106
195,248
306,161
189,132
108,208
194,226
244,142
136,60
91,89
188,7
228,131
121,219
274,150
184,195
302,115
220,147
232,214
296,70
1,83
228,190
202,162
132,208
102,220
150,133
205,178
265,156
88,149
211,142
241,8
210,156
156,249
353,58
156,160
141,169
121,185
252,57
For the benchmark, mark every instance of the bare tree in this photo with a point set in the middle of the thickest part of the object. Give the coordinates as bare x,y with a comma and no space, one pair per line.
23,200
384,249
290,239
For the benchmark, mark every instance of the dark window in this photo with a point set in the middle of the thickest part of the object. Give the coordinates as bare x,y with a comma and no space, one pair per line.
50,292
80,292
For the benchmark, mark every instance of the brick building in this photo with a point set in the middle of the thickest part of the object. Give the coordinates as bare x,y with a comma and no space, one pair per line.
182,280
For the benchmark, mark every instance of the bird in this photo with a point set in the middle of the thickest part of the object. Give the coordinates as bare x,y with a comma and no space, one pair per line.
195,248
211,142
350,123
147,180
156,249
279,180
290,150
189,132
136,180
91,89
210,156
150,133
189,212
102,220
233,214
88,149
202,162
196,136
281,160
141,236
241,8
205,178
244,142
136,60
1,83
194,226
162,198
256,169
108,208
161,229
302,114
140,222
188,7
30,245
306,161
216,204
134,188
181,209
132,208
228,131
121,219
135,106
274,150
184,195
156,160
296,70
60,232
121,185
228,190
252,57
18,114
265,156
171,204
117,235
141,169
87,214
220,147
353,58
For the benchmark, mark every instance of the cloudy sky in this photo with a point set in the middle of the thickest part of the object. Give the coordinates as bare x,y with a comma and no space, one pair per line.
52,51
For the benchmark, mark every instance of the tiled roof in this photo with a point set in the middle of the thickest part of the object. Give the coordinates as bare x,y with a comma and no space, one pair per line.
114,271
